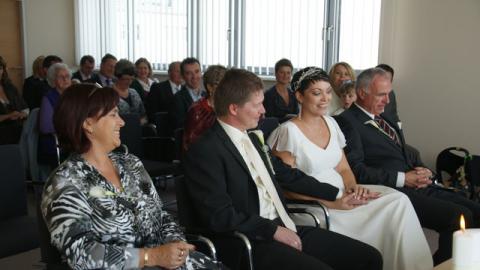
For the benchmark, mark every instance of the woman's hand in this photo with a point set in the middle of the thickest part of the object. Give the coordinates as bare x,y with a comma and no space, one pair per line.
346,202
362,193
170,256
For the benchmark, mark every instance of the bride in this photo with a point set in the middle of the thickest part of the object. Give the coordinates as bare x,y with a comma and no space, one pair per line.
374,214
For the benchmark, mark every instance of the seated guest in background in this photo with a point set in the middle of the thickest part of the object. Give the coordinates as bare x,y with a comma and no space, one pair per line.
339,73
376,153
58,76
34,94
191,92
234,189
143,78
32,85
347,96
391,107
130,101
106,73
280,100
201,116
13,110
161,96
101,207
85,72
313,143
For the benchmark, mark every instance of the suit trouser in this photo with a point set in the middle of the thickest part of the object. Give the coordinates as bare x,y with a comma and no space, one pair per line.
322,250
440,210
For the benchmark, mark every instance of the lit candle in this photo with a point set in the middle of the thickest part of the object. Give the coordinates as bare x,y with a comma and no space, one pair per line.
466,248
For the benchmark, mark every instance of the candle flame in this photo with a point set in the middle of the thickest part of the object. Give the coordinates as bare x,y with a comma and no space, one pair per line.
462,223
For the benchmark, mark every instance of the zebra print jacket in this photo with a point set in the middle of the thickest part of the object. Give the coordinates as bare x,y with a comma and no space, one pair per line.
94,225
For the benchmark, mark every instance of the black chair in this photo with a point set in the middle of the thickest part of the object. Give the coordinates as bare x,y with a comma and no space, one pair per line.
50,256
163,124
18,231
131,136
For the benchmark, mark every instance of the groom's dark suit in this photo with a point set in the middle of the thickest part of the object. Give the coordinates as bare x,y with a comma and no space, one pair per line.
226,196
377,159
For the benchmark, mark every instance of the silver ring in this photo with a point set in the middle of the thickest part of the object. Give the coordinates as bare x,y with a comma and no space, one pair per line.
181,253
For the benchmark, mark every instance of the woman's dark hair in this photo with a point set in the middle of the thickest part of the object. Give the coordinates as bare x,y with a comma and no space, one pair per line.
77,103
298,75
4,79
124,67
311,75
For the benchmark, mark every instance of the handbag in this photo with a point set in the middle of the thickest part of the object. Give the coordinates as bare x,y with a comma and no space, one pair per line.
458,169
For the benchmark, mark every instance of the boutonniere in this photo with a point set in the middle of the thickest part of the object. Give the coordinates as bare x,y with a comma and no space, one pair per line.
374,124
265,148
99,193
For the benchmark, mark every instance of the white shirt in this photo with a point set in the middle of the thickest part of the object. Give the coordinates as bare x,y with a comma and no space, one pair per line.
267,208
400,175
175,87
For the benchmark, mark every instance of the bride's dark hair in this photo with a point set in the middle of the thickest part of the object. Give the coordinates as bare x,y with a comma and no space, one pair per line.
308,76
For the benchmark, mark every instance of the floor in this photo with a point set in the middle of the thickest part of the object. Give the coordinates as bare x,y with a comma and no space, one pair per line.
31,259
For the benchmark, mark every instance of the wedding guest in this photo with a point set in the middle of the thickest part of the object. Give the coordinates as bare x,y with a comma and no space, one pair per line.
13,109
101,207
347,96
85,72
201,115
59,78
279,99
130,101
143,78
107,71
313,143
339,73
32,85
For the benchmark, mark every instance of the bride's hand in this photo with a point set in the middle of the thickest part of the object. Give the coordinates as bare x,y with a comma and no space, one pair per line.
347,202
363,193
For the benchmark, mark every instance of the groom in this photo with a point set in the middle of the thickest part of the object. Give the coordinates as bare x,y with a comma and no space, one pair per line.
234,187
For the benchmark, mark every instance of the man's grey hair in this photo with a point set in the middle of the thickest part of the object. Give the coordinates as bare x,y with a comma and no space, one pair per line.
365,78
53,71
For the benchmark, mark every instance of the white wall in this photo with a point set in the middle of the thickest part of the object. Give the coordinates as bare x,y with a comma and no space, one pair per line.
49,29
434,47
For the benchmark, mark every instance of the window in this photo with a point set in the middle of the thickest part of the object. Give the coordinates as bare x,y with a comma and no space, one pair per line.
251,34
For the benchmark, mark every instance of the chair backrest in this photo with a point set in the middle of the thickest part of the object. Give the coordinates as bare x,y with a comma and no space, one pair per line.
162,122
13,196
187,217
131,134
267,125
29,144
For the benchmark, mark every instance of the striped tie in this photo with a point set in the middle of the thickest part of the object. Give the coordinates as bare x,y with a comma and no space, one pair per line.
387,129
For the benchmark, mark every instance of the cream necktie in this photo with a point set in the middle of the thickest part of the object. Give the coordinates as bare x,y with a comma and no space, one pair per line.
261,169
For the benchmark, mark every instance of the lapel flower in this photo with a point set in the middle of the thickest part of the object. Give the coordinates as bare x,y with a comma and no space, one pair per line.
374,124
99,192
265,148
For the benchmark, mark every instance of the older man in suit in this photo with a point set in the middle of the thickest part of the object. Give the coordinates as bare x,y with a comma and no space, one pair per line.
377,154
234,187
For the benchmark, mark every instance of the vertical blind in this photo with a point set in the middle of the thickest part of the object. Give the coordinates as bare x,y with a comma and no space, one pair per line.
251,34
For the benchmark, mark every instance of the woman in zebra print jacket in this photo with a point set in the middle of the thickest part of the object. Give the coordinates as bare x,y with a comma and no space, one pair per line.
100,207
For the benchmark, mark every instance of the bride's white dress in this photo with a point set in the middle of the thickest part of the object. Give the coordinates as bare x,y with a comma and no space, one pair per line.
388,223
